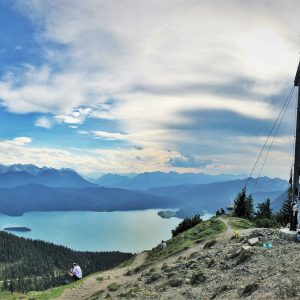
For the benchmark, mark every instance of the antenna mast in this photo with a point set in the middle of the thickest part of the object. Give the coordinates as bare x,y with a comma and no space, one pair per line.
295,199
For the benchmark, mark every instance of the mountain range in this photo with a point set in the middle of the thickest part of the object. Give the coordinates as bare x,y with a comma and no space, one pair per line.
33,197
209,197
16,175
30,188
149,180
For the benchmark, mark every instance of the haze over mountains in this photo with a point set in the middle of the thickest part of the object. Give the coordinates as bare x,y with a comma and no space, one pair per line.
149,180
16,175
30,188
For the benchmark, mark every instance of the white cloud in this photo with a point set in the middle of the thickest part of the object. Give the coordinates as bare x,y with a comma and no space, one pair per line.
77,116
44,122
21,141
87,161
109,135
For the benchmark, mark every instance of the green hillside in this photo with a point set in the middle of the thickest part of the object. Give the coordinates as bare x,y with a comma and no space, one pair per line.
199,233
27,265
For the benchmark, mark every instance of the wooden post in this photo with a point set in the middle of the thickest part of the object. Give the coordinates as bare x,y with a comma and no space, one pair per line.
297,155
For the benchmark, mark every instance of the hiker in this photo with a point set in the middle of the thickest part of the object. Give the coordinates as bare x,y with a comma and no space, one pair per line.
222,211
163,245
76,272
218,212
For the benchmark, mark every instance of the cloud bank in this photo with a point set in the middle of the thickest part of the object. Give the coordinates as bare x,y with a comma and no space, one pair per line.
159,69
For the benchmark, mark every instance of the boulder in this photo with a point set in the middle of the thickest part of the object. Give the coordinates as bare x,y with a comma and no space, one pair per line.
253,241
246,248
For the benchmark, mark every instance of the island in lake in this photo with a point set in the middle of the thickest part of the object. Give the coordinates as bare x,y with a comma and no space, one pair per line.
166,214
21,229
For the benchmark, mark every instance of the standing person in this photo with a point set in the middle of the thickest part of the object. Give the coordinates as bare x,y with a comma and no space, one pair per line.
76,272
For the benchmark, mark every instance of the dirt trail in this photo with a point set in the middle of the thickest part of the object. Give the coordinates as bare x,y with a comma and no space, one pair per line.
92,285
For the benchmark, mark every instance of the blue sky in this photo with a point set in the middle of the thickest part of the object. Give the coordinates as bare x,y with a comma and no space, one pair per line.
134,86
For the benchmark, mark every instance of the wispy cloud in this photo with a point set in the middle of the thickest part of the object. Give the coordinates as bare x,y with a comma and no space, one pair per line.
44,122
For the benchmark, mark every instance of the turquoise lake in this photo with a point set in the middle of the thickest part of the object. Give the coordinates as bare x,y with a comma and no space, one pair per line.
128,231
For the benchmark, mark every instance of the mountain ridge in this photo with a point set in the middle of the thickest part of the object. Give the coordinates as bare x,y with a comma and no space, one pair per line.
16,175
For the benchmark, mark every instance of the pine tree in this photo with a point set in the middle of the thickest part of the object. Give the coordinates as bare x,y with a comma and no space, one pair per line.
240,204
249,210
5,285
284,215
264,210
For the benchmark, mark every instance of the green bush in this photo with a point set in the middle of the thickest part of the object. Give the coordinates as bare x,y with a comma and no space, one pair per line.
186,224
267,223
113,287
153,277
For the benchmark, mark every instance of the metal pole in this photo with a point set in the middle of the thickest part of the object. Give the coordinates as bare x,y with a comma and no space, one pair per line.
293,224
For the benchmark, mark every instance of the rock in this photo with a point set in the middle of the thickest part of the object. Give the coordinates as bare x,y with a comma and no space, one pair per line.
249,289
209,244
253,241
197,278
175,282
246,248
243,257
171,274
219,290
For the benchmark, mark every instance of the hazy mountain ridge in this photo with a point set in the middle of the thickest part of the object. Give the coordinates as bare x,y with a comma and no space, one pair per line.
144,181
16,175
30,188
33,197
208,197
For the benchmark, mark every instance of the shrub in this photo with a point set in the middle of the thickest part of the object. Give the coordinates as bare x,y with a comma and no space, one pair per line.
153,277
113,287
267,223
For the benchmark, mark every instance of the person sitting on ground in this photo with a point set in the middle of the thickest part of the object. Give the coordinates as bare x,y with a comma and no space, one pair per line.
218,212
222,211
163,245
76,272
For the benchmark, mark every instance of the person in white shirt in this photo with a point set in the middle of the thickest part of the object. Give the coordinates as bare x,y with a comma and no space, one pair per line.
76,272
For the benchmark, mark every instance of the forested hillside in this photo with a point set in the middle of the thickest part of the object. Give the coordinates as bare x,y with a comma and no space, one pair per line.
35,197
36,265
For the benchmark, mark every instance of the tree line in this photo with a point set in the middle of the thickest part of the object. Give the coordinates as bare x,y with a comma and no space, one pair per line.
263,216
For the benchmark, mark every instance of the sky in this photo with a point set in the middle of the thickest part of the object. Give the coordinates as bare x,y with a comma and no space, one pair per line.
161,85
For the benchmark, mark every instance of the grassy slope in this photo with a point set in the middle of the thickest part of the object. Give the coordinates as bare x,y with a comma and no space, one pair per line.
240,224
185,240
43,295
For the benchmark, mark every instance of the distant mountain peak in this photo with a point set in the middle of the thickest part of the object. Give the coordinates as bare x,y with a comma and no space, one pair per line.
18,174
